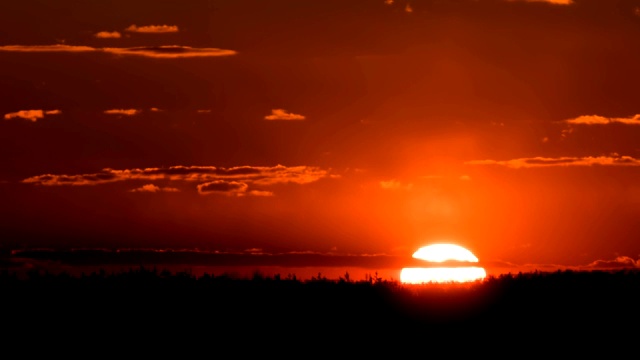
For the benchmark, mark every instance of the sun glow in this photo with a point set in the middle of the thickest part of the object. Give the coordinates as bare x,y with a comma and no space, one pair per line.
440,253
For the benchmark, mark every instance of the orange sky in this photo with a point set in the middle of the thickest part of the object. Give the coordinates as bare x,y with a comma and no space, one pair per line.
348,127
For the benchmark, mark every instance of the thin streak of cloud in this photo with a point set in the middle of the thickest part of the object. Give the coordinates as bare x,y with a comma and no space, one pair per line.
163,52
281,114
394,184
126,112
47,48
601,120
154,188
170,51
230,188
31,115
108,35
535,162
153,29
553,2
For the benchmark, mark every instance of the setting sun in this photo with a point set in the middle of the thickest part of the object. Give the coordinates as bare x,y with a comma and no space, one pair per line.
440,253
444,252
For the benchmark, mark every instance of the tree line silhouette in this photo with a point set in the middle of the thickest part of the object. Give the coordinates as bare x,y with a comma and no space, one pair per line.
153,300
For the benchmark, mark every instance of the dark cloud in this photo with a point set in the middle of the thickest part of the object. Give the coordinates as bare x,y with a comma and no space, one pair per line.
221,186
234,180
617,263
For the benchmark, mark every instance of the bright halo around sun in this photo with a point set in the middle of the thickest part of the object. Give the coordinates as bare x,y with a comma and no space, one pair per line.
439,254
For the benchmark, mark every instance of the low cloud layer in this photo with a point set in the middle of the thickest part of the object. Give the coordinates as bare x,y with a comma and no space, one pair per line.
621,262
239,181
31,115
561,161
601,120
165,51
281,114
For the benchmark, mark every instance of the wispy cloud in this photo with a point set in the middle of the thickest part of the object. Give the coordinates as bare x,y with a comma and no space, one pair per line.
154,188
121,112
601,120
281,114
554,2
408,8
31,115
394,184
248,180
153,29
617,263
108,35
533,162
163,52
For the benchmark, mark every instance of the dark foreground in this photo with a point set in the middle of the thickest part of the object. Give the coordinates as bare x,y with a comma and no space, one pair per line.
156,310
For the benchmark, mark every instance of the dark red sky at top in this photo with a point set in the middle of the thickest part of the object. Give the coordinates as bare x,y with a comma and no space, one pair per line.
351,127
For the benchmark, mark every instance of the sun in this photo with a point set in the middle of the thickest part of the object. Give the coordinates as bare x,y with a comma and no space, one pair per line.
438,254
444,252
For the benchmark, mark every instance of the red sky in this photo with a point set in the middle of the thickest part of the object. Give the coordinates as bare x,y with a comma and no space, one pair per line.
349,127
